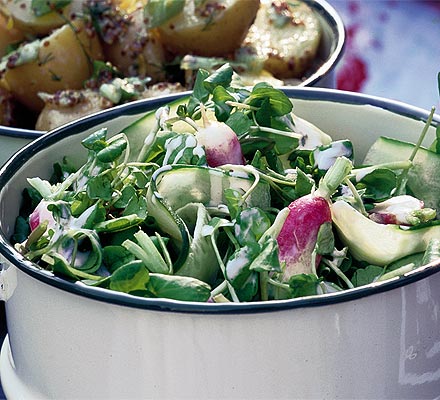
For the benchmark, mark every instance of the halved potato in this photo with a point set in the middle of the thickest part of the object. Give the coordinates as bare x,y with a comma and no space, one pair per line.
137,51
64,61
8,35
285,37
209,28
68,105
25,20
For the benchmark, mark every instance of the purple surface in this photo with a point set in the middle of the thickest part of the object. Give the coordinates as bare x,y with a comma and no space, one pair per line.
392,49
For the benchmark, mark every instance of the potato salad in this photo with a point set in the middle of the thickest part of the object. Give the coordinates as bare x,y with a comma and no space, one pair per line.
62,59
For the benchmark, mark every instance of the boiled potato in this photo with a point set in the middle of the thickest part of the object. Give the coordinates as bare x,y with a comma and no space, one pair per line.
25,19
209,28
63,61
8,35
68,105
137,51
285,36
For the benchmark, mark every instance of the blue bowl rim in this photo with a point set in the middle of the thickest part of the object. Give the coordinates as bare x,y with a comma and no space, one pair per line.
108,296
336,52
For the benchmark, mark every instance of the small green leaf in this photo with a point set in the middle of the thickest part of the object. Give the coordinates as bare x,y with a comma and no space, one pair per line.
304,285
130,277
99,187
304,183
180,288
365,276
115,256
221,77
325,242
96,141
239,122
113,151
250,225
378,184
267,259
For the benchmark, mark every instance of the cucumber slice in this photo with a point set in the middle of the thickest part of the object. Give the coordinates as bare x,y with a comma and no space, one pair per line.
423,177
139,130
183,184
378,244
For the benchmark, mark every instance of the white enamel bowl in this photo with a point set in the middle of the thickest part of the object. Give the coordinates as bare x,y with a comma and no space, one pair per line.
321,74
68,341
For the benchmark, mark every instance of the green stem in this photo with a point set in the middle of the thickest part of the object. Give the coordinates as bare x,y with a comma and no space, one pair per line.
334,177
358,203
403,178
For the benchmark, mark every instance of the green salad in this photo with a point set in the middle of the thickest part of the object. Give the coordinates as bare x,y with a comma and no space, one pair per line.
226,195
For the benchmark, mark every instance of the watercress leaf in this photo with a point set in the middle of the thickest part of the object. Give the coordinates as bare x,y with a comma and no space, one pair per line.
96,141
367,275
21,230
251,145
92,216
157,12
141,179
304,285
80,203
221,77
137,206
237,266
126,195
115,256
99,187
250,225
113,151
249,288
178,288
220,96
234,200
276,102
200,93
267,259
325,241
131,277
378,184
239,122
304,183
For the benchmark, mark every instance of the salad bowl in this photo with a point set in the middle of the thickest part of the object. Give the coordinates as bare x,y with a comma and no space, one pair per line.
68,340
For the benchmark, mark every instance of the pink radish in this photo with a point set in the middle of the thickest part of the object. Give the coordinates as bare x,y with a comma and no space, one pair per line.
298,235
220,142
401,210
41,214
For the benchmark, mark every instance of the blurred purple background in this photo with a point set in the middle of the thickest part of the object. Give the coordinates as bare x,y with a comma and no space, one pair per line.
392,50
